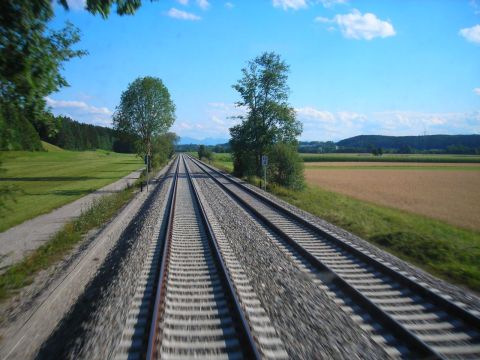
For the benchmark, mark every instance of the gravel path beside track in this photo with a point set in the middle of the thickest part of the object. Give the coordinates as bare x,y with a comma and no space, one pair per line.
93,328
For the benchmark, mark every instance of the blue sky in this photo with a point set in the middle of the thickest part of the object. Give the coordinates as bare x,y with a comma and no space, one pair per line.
393,67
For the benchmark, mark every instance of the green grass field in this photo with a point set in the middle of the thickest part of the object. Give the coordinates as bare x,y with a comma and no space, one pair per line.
427,158
439,248
43,181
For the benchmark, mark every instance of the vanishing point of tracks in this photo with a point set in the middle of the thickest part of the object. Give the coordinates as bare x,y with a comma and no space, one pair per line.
197,313
407,318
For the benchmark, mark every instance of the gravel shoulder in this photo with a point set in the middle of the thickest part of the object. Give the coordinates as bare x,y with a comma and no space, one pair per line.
39,311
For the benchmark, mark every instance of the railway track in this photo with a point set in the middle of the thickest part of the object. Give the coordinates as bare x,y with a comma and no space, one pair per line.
197,313
407,318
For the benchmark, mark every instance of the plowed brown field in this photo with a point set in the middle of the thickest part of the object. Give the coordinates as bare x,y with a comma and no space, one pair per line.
449,195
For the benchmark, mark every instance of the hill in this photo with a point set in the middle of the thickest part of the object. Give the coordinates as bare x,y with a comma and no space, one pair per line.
446,143
50,148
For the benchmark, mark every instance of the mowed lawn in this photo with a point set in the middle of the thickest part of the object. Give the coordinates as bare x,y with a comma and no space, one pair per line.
43,181
446,250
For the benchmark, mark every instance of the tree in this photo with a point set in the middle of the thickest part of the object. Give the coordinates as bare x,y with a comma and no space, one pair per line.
145,111
163,148
269,118
31,58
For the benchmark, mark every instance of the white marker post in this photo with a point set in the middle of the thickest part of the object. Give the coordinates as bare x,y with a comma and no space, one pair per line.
264,164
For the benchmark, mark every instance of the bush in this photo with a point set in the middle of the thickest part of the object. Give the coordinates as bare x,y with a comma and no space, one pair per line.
285,166
204,153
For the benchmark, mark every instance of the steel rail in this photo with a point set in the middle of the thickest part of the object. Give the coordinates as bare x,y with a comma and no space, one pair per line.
161,288
413,341
249,345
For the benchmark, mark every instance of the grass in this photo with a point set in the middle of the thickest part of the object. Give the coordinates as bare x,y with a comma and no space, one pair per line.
442,249
51,148
393,167
428,158
44,181
22,273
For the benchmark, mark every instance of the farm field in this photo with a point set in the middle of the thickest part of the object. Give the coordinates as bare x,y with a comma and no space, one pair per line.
44,181
447,192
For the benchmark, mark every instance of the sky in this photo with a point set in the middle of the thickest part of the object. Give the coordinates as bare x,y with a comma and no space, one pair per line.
390,67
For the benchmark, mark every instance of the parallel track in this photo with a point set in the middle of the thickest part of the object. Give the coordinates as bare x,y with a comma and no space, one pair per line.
411,318
197,313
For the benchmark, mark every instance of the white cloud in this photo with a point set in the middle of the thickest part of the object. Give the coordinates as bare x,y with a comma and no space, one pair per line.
182,15
183,2
332,3
290,4
81,111
471,34
356,25
476,91
77,4
229,5
203,4
321,19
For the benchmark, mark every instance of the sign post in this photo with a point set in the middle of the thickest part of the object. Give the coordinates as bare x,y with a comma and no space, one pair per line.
147,159
264,165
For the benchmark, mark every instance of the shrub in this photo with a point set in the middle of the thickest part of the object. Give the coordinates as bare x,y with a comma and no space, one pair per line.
285,167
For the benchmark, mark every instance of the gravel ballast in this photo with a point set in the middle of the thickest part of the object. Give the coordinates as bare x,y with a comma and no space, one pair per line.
456,293
309,323
94,326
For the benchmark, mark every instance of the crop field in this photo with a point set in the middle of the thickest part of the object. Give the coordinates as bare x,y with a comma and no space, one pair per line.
447,192
43,181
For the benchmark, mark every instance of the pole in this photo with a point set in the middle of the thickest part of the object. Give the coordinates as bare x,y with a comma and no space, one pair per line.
148,160
265,177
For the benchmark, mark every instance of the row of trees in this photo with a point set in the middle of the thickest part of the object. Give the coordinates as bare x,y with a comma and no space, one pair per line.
269,126
31,60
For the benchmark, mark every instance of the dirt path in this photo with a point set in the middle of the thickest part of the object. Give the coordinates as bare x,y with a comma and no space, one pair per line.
19,240
451,196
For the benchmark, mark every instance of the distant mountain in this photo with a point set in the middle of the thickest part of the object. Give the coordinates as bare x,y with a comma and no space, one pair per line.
425,142
207,141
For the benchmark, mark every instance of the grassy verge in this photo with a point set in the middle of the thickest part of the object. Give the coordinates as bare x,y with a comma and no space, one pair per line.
22,273
426,158
47,180
444,250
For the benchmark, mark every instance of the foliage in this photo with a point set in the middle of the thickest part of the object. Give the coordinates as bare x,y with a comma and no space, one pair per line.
377,151
285,166
269,118
31,58
145,111
454,144
163,148
204,153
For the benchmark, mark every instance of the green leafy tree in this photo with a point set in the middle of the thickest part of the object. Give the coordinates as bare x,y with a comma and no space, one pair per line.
145,112
269,118
163,148
31,58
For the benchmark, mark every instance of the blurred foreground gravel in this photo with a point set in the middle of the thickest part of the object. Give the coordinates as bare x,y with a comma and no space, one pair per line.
309,323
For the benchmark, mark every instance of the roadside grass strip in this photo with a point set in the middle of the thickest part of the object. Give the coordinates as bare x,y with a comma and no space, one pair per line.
444,250
21,274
